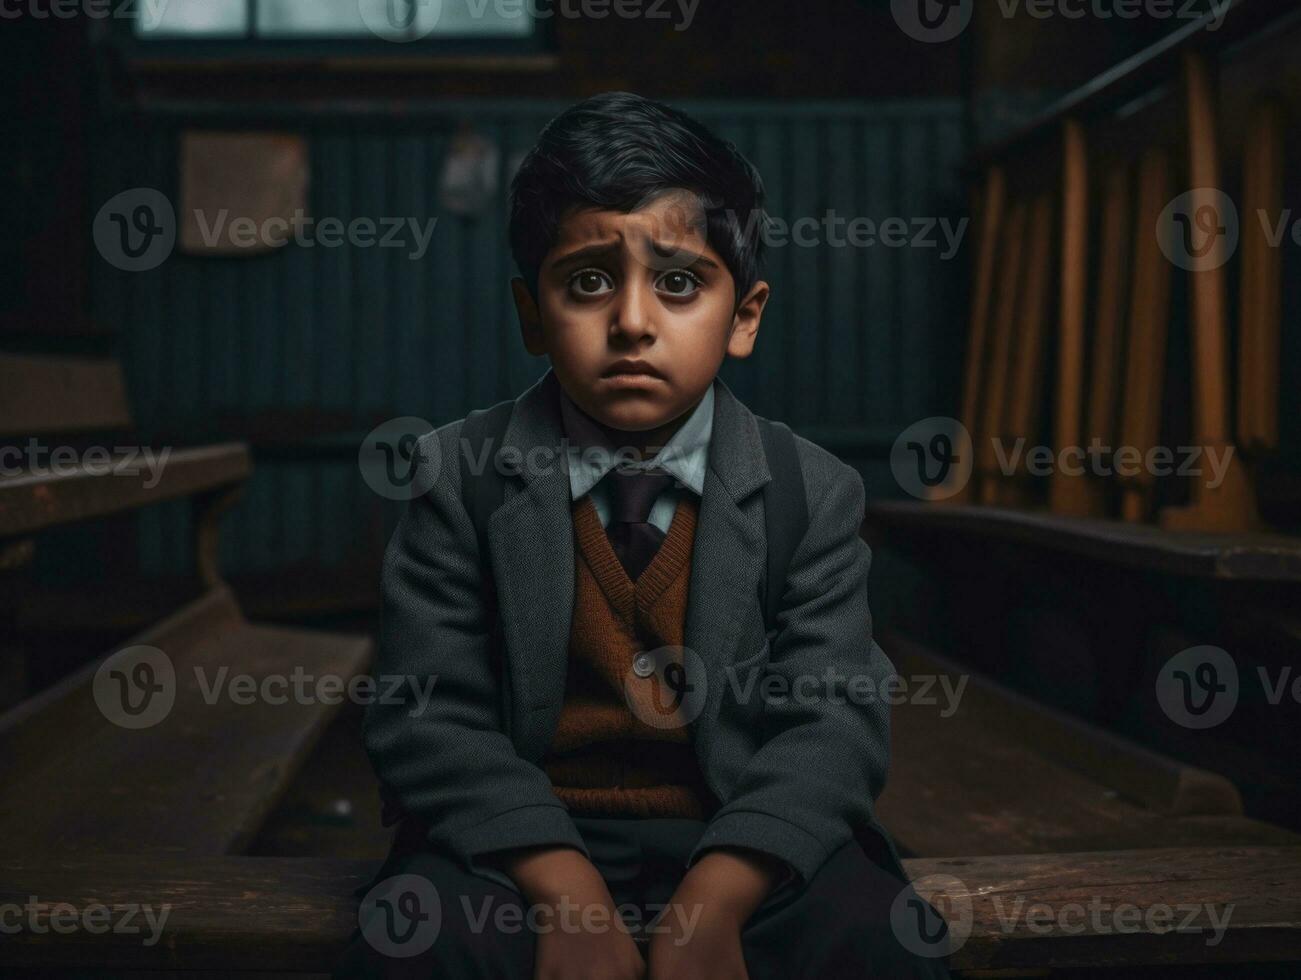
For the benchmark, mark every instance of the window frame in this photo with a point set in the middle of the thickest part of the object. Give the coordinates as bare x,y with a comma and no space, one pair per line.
341,48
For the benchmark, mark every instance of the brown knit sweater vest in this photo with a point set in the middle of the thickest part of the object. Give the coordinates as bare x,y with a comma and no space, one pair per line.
605,760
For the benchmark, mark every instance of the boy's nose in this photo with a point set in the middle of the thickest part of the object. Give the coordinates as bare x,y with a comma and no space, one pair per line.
633,320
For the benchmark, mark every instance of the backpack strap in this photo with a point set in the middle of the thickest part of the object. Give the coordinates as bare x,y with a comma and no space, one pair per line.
482,493
785,512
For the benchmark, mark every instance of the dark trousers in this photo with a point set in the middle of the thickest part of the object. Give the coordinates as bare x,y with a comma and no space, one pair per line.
441,921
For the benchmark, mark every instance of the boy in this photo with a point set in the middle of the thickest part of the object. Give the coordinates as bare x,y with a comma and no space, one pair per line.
604,743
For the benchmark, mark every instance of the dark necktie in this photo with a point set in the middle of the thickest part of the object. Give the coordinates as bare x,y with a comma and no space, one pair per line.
632,495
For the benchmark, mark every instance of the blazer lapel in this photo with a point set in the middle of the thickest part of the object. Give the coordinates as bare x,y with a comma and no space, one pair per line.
532,544
728,558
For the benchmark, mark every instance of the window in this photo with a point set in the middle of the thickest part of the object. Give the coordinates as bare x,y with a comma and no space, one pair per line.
335,20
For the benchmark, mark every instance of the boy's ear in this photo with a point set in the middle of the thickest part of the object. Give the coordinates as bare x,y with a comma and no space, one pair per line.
530,323
745,321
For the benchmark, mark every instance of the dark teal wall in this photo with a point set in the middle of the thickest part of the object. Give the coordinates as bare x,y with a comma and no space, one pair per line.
857,343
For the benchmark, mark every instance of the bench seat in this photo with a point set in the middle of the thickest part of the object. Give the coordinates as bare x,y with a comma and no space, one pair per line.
242,914
198,782
35,501
1002,774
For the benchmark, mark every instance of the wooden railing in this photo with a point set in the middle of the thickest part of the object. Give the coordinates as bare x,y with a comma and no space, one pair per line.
1141,148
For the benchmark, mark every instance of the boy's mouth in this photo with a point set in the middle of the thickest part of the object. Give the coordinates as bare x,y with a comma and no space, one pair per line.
630,372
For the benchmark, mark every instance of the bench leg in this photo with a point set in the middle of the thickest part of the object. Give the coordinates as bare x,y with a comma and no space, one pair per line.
208,511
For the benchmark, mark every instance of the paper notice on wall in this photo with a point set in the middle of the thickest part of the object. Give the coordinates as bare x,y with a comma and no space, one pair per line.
241,193
467,185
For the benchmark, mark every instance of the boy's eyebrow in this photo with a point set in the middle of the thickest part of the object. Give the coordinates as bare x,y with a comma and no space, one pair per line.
586,254
603,249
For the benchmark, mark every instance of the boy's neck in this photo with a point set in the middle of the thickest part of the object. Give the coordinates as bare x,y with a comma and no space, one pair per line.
648,442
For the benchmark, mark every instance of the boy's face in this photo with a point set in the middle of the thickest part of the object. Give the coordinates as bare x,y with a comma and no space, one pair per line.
636,312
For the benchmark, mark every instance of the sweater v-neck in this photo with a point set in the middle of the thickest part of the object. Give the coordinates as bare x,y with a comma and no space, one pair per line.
625,595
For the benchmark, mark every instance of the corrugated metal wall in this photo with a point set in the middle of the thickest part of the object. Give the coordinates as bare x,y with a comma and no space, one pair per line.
857,342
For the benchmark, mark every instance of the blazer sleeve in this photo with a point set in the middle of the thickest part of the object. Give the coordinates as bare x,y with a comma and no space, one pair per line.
449,761
810,785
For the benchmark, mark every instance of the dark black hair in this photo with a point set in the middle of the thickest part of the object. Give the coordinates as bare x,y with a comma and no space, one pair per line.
617,151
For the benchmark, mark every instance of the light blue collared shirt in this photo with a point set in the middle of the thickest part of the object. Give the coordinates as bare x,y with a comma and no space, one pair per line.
683,457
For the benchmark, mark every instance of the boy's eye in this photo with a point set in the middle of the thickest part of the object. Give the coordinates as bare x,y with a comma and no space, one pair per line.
677,282
590,282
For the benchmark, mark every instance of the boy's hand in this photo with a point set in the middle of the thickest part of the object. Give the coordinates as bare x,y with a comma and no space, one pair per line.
710,908
587,955
582,937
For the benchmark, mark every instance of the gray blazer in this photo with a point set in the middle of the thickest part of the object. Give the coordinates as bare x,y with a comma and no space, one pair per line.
796,777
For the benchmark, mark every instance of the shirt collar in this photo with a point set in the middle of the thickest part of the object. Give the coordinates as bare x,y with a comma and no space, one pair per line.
685,456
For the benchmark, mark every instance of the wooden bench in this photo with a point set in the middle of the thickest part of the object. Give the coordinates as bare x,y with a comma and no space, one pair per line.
201,780
1003,774
1034,913
80,405
78,776
1226,557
